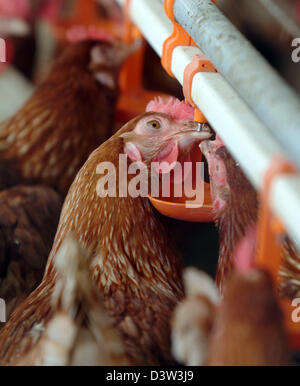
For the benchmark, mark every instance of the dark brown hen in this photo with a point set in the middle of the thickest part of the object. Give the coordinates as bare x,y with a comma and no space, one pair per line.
28,222
79,331
68,116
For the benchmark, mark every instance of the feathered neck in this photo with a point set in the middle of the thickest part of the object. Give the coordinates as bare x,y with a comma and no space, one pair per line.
125,235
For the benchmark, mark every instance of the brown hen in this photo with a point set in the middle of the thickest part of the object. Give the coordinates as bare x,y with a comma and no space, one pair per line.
28,221
68,116
249,328
234,203
135,265
235,207
79,331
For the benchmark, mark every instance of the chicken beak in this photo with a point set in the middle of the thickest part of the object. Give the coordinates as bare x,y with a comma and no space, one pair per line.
193,132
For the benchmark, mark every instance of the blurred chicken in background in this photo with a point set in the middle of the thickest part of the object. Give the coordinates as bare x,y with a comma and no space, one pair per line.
45,143
70,114
194,317
137,266
244,329
236,208
249,329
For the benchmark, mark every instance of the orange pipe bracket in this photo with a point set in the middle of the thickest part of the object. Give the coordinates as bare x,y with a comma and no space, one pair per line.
198,64
269,227
179,37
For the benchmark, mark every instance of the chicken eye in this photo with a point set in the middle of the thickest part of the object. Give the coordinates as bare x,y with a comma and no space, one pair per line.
153,124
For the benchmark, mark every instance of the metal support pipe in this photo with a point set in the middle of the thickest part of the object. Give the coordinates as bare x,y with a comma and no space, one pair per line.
274,102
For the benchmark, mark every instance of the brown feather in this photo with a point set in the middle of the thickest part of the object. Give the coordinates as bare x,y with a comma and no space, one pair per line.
135,266
249,330
67,117
28,222
236,217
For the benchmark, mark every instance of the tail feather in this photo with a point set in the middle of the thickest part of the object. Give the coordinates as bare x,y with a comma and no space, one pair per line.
193,318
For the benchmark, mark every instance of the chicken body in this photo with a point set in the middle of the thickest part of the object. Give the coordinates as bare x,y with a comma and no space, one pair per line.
68,116
235,207
135,264
234,203
249,326
45,143
79,332
249,330
244,328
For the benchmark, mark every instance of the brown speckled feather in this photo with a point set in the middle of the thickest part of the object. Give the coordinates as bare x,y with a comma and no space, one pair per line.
289,275
237,216
80,331
249,329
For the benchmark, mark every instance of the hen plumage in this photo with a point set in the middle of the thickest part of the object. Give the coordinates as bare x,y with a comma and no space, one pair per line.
79,331
234,203
135,263
28,221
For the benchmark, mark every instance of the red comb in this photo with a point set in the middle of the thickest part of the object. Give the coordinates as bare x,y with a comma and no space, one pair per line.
80,32
177,109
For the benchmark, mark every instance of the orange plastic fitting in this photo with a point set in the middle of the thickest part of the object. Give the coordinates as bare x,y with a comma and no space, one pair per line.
85,10
269,227
179,37
268,253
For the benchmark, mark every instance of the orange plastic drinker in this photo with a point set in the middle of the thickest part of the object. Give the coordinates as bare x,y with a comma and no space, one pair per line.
133,96
269,248
85,13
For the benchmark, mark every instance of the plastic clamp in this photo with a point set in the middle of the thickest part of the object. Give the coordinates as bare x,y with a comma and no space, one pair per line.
198,64
179,37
